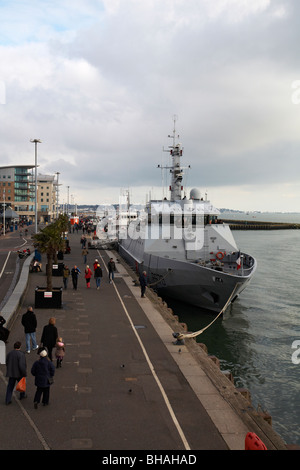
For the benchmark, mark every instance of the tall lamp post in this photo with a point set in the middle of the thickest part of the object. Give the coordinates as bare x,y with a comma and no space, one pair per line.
4,211
68,187
57,192
35,141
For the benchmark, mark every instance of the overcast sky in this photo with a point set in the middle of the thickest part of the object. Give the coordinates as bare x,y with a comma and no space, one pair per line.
99,81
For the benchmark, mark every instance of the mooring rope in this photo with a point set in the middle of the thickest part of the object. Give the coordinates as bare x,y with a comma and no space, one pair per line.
181,336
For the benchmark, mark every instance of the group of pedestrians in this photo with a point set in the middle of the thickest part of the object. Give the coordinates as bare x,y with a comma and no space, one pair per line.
88,274
43,369
97,274
74,273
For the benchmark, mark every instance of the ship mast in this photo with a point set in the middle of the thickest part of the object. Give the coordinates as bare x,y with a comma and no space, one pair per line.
176,169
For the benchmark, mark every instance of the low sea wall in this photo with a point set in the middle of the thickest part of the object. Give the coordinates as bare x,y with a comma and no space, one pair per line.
256,225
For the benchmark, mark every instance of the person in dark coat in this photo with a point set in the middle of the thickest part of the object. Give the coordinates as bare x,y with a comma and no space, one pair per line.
43,370
29,322
4,332
143,283
75,273
111,269
66,274
49,336
98,275
15,369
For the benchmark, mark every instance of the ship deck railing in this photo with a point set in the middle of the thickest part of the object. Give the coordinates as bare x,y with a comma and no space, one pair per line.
229,264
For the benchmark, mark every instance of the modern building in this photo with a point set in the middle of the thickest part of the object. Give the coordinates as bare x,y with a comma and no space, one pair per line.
47,198
17,190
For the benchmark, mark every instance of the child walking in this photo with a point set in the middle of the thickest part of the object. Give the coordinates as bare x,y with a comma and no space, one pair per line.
60,352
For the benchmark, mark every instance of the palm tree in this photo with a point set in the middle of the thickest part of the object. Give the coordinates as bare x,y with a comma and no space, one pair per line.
50,240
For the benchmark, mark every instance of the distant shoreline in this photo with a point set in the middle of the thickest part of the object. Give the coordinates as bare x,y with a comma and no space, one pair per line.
259,217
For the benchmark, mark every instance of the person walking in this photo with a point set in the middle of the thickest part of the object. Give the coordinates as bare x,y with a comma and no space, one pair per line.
4,332
96,262
98,275
49,336
16,368
84,254
111,270
30,323
83,241
60,352
66,274
88,274
75,273
43,371
143,283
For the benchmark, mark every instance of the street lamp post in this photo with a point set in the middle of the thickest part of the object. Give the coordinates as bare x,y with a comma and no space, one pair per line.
68,200
57,191
4,212
35,141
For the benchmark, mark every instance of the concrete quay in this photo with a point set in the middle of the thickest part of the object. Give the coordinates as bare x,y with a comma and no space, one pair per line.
124,384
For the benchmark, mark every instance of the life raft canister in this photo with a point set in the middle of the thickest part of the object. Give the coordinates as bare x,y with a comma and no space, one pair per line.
253,442
220,255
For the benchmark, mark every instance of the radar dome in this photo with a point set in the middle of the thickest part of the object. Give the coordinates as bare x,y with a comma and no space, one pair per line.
195,193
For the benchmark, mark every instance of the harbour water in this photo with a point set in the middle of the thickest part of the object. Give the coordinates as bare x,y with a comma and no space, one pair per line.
254,340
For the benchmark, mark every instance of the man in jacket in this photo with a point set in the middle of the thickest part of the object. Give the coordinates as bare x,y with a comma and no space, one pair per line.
29,322
111,270
15,369
98,275
143,283
75,273
49,336
43,370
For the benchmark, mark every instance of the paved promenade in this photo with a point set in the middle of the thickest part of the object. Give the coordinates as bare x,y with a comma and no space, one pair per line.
123,384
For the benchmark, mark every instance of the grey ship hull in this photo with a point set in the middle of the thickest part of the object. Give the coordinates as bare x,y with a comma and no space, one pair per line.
191,283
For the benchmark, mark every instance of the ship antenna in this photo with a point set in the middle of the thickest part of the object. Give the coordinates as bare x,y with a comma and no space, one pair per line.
175,117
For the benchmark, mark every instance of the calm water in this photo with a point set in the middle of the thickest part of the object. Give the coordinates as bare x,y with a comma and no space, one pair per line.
254,339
